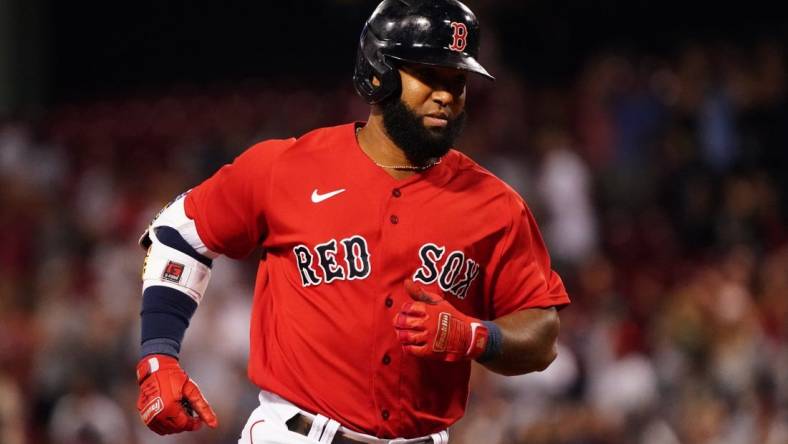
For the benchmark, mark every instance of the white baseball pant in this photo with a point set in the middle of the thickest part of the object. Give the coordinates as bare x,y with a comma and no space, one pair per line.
266,425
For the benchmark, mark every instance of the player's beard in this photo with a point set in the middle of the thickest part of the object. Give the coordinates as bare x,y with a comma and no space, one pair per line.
419,143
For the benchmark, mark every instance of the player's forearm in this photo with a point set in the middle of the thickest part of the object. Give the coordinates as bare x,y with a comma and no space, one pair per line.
528,341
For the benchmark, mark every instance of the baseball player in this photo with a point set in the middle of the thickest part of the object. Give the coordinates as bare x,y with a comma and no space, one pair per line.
390,260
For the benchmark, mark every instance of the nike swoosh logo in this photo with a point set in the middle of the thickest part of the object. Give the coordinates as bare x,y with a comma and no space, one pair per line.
317,197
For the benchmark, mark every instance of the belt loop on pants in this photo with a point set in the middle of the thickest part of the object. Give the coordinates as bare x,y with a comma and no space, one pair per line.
323,429
316,431
329,431
440,437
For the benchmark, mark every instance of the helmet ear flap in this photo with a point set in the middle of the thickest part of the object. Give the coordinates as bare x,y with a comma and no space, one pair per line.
370,61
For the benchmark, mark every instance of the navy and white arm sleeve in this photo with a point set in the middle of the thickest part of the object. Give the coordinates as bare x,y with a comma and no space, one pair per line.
175,276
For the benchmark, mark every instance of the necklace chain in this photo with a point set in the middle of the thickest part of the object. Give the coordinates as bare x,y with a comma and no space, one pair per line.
404,167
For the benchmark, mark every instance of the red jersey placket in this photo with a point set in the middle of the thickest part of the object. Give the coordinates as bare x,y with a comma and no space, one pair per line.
393,248
397,259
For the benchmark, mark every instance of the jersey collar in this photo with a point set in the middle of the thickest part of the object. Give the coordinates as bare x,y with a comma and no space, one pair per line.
437,175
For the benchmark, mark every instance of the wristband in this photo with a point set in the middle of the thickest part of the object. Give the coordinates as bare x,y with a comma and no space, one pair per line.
494,342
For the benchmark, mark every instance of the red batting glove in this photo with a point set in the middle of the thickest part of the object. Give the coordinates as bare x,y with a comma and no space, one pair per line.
169,399
430,327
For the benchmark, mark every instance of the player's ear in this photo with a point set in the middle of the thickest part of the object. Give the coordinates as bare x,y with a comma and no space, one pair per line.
375,81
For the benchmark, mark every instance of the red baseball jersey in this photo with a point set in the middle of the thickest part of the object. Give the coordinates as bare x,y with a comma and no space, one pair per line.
340,236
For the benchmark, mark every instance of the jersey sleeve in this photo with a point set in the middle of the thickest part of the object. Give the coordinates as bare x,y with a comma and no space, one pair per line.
229,209
521,276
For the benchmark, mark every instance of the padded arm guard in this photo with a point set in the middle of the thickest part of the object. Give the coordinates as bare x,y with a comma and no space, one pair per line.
177,258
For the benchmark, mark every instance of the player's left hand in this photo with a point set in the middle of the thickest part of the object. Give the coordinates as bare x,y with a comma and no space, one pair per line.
430,327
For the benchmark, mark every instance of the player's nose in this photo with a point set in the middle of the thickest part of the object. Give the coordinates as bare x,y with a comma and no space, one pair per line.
443,97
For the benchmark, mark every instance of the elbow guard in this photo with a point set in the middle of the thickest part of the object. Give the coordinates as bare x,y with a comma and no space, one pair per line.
176,258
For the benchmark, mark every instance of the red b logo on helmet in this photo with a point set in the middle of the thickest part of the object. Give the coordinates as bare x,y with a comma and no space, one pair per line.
459,41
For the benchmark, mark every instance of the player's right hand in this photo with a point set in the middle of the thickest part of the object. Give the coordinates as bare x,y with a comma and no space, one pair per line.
166,392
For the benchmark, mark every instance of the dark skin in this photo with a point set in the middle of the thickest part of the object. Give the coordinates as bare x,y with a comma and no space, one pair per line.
435,93
432,92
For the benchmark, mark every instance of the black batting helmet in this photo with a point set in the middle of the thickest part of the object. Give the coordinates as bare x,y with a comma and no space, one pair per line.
431,32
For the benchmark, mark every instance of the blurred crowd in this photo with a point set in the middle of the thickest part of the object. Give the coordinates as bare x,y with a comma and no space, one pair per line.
658,180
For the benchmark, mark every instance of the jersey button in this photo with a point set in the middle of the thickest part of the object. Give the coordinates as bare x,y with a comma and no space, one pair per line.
386,359
394,219
389,302
385,414
396,192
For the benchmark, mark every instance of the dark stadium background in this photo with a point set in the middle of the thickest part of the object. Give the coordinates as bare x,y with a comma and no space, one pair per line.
649,138
73,50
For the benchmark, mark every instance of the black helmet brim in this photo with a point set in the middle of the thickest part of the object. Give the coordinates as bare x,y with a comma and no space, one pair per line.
439,57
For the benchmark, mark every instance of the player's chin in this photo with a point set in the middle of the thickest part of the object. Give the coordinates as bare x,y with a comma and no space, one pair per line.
437,132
